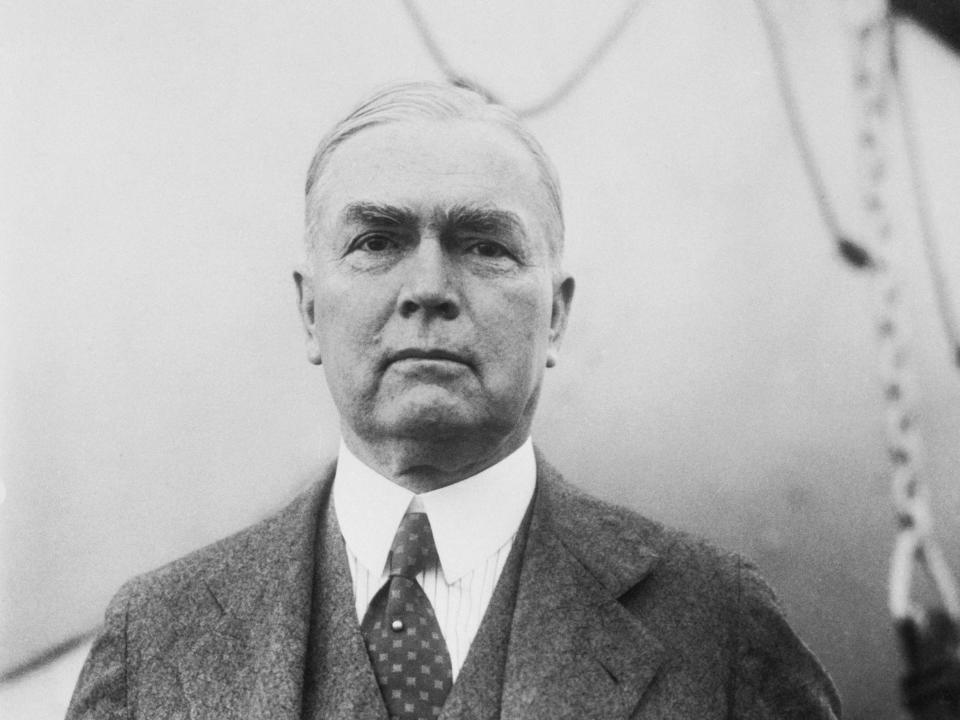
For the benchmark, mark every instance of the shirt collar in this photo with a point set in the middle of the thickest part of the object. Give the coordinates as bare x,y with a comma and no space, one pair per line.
470,519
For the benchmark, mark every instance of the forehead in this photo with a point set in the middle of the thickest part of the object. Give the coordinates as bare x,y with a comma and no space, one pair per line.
430,166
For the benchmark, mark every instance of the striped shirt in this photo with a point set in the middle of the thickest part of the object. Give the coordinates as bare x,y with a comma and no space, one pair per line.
474,523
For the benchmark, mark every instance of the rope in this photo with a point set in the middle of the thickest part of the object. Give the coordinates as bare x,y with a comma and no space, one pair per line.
945,306
46,657
552,98
851,251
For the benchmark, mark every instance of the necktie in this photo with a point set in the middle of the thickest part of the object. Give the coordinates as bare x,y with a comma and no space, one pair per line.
402,635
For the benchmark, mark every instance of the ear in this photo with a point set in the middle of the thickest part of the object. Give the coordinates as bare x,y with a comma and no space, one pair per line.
562,298
305,304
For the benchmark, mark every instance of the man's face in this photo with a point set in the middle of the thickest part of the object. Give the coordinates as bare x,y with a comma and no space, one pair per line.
433,300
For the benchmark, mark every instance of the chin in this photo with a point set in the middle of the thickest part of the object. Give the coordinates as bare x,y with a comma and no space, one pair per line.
432,414
434,421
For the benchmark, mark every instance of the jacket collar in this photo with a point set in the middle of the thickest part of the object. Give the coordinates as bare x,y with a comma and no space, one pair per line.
575,651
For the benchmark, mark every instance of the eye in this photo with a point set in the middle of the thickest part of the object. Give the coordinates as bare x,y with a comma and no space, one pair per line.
489,249
375,243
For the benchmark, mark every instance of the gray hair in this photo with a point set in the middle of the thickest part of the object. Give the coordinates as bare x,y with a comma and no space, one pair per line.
436,101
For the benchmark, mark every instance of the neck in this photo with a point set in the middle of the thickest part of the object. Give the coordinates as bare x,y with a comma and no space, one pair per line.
421,466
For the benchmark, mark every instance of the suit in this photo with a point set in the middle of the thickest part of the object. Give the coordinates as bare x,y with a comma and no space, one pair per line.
608,615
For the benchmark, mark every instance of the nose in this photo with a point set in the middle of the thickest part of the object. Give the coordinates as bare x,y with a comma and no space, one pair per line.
430,285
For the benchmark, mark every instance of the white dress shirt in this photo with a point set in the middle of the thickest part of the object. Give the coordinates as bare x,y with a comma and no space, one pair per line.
474,523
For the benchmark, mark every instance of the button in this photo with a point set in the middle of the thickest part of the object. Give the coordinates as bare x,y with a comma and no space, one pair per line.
397,625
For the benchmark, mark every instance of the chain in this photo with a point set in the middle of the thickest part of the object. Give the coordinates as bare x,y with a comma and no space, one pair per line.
915,542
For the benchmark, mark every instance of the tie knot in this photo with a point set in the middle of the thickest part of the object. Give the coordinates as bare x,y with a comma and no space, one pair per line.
413,549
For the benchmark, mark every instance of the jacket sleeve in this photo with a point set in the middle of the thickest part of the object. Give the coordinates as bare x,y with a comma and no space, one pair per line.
776,676
101,691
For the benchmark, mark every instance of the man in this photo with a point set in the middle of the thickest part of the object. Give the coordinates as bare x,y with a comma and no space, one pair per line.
444,569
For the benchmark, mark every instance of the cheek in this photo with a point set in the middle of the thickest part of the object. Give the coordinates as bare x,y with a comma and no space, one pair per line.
532,307
352,314
521,323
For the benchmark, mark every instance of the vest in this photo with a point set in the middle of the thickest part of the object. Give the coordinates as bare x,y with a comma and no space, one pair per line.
339,681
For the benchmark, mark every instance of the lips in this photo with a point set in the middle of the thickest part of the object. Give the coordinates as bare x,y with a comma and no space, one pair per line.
428,354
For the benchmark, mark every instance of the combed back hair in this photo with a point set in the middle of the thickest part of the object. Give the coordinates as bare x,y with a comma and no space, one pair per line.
434,101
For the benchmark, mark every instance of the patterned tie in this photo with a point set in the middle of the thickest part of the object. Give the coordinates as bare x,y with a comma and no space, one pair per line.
401,631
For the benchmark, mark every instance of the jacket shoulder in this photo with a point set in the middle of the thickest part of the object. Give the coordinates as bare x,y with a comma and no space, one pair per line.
183,587
603,533
158,617
710,608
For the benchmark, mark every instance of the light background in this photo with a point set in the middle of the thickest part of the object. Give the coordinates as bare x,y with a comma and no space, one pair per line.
718,374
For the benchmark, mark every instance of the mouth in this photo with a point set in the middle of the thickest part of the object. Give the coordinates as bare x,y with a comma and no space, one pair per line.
435,354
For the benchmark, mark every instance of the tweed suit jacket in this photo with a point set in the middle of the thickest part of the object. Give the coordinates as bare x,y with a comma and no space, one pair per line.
614,617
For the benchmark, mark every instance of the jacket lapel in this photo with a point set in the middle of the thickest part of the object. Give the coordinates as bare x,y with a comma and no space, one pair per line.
340,683
575,652
247,660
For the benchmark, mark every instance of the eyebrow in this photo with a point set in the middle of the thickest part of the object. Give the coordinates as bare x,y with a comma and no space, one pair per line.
481,220
367,213
470,218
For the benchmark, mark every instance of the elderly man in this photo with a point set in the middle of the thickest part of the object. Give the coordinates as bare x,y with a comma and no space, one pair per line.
443,568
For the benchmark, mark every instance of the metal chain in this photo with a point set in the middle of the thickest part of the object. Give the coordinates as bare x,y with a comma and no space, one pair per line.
915,543
555,96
